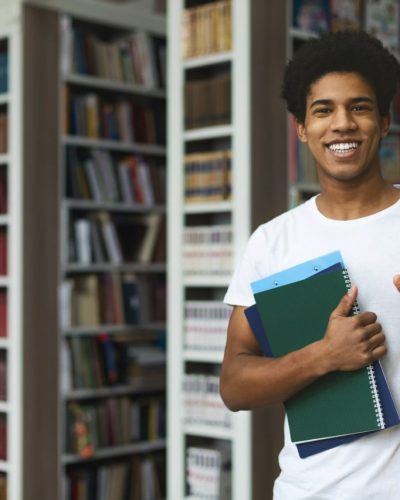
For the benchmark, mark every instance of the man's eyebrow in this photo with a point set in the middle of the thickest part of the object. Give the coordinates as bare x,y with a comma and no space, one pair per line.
353,100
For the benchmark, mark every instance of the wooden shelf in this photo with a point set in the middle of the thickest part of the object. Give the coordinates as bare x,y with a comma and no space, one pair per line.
202,134
203,356
112,85
109,267
112,391
117,451
209,207
113,329
208,431
207,60
70,204
125,147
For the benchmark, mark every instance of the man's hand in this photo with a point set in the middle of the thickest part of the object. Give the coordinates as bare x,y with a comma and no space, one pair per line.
396,281
352,342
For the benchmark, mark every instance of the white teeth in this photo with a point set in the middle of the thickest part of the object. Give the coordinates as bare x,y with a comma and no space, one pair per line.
343,146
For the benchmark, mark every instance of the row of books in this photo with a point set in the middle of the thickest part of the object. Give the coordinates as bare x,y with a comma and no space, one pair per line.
207,250
208,102
3,252
3,437
3,375
206,29
3,192
101,361
3,314
205,325
378,17
100,177
140,478
208,176
209,472
113,422
111,299
202,402
137,58
3,486
3,72
96,117
3,132
100,238
389,155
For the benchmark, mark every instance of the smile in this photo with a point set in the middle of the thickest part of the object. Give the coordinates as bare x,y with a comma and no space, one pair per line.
343,147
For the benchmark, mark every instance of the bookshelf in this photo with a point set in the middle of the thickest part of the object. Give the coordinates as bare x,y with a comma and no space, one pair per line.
227,174
113,211
381,18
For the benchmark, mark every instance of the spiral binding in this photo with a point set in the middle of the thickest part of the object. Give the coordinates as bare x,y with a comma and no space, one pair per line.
370,368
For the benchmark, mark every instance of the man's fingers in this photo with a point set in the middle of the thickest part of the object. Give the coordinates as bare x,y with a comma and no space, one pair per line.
346,303
396,281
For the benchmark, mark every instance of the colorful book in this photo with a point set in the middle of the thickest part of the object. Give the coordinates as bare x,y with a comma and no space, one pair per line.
340,403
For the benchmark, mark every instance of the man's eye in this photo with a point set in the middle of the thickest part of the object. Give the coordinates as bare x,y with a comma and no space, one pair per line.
322,111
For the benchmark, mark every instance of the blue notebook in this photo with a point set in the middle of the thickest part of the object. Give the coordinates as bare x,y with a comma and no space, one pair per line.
323,264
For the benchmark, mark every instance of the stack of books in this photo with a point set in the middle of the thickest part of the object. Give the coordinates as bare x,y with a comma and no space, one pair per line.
340,406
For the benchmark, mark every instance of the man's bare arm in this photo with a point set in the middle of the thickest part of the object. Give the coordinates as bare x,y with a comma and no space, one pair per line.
249,380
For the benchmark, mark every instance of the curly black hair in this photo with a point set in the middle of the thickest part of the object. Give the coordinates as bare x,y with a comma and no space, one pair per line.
344,51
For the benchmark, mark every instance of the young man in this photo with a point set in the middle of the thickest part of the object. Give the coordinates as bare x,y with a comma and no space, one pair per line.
339,89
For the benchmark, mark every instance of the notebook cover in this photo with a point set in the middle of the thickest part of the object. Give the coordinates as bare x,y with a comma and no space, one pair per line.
338,403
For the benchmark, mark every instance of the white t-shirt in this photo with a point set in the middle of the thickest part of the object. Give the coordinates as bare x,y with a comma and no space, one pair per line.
369,468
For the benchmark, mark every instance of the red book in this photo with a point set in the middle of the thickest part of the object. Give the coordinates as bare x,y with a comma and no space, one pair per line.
3,253
3,314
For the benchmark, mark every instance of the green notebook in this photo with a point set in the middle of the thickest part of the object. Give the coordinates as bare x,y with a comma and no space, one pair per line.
339,403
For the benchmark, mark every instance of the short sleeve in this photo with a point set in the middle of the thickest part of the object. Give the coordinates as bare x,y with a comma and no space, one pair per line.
239,292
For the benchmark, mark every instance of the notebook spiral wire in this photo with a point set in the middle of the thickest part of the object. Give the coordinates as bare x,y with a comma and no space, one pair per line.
370,368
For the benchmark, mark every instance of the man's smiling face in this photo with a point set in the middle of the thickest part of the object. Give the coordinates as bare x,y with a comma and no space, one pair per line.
342,127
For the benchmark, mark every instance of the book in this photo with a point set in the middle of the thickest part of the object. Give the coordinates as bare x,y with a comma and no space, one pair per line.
382,21
313,447
331,406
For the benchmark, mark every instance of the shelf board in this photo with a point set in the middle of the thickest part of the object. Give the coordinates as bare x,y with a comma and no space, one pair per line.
117,451
301,34
98,82
208,60
4,406
206,281
4,466
116,390
113,329
208,207
4,219
4,281
4,343
126,147
137,267
4,98
198,356
4,158
210,431
70,204
214,132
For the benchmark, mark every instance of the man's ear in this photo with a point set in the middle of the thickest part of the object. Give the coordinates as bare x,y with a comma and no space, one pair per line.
301,130
385,125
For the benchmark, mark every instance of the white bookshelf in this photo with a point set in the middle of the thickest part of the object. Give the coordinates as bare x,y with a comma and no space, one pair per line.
242,133
13,223
103,18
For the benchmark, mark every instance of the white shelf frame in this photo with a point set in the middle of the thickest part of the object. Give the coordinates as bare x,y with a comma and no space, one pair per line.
239,133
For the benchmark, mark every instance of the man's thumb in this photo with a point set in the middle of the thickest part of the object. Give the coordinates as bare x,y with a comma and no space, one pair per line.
346,303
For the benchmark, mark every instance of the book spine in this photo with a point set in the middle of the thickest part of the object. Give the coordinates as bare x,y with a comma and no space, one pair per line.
370,368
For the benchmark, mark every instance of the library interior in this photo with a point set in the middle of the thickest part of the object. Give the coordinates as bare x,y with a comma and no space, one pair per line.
141,143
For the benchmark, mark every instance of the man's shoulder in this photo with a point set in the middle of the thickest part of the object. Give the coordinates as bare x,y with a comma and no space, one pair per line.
296,215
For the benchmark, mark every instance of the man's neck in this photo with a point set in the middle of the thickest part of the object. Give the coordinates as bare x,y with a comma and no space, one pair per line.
352,202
